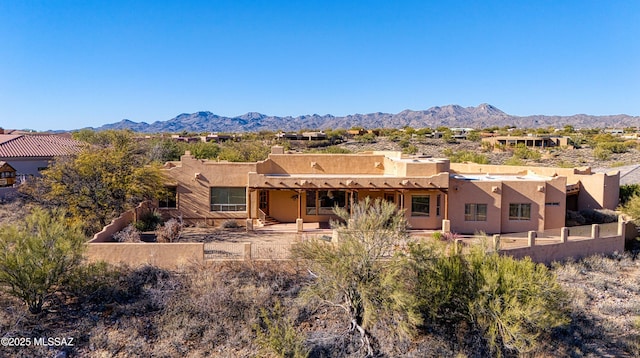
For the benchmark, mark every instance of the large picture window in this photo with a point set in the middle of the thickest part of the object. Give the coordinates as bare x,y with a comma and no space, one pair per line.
520,211
229,199
420,205
475,212
322,202
169,199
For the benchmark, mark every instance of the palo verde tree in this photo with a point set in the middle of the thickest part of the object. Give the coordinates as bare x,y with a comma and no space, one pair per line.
101,182
359,273
37,254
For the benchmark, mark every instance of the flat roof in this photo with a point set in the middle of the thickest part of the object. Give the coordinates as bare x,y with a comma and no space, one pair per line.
500,177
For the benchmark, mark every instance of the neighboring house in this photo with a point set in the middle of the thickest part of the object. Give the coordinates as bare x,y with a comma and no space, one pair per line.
534,142
7,174
305,188
302,136
30,153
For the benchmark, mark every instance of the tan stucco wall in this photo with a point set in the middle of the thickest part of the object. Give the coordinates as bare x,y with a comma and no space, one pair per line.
374,173
169,255
431,222
514,192
117,224
322,164
554,216
195,177
283,205
576,249
464,192
599,191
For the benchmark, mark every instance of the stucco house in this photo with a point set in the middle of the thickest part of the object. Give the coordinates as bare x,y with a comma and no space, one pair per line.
534,142
301,188
30,153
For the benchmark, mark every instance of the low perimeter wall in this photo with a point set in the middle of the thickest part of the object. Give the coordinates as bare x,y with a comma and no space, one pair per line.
165,255
577,249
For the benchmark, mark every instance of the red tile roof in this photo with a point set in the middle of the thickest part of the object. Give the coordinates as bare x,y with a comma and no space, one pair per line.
20,146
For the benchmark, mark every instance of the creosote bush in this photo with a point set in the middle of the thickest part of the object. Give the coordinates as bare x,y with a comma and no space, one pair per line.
37,254
148,221
229,224
276,334
170,231
510,302
128,234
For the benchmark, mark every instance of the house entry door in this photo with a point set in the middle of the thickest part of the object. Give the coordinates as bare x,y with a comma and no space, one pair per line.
264,201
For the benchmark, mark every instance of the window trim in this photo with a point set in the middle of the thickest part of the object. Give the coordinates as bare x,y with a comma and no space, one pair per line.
427,205
236,207
473,214
164,202
519,216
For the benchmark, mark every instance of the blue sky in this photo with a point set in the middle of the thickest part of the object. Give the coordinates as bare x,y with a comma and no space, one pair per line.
72,64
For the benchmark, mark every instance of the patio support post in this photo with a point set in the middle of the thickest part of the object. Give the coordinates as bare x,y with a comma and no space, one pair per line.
564,234
249,203
446,205
299,221
532,238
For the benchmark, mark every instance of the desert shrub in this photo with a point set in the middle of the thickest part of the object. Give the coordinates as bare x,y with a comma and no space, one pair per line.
474,136
353,275
602,153
514,301
515,161
632,208
486,147
599,216
510,302
229,224
522,152
466,156
337,150
410,149
37,254
245,151
627,192
366,138
128,234
202,150
170,231
574,218
217,309
613,147
148,221
277,334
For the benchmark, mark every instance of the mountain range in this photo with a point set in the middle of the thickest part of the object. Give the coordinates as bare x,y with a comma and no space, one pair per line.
482,116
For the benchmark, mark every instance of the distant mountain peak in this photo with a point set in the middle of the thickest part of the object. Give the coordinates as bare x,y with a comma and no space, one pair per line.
452,115
252,116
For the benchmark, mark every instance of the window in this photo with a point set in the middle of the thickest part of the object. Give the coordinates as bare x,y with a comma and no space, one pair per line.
519,211
228,199
322,202
169,198
438,205
420,205
475,212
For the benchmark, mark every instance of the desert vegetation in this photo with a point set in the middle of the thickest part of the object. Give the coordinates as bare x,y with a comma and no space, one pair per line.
406,298
376,293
